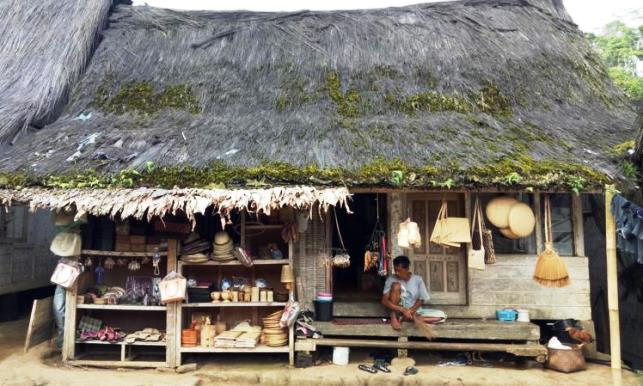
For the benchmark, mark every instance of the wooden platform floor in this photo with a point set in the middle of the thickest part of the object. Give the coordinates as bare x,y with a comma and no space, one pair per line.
460,329
517,338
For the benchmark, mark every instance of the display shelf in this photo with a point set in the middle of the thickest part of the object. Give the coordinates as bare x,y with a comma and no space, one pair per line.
137,343
234,304
258,349
264,226
237,263
117,364
93,252
120,307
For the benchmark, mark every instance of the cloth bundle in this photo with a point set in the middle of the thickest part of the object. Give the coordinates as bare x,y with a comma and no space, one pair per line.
629,226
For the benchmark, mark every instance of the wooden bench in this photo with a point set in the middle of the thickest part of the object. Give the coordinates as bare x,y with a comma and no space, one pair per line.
520,339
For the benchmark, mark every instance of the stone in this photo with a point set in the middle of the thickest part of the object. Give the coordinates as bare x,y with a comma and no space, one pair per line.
186,368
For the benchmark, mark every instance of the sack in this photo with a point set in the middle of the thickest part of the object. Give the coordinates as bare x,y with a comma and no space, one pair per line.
476,256
450,231
432,313
66,244
566,361
290,314
65,274
173,288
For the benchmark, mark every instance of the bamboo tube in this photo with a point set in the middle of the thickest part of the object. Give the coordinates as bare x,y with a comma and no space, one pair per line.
612,280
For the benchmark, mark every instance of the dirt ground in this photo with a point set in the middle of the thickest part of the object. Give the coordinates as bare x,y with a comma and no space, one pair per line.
39,368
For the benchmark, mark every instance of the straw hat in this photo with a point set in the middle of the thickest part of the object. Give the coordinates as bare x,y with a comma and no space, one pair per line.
195,258
497,210
221,238
508,233
66,244
521,220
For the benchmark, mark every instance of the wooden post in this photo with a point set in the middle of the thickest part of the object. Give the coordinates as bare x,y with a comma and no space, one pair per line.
577,222
69,342
396,216
612,280
540,242
173,325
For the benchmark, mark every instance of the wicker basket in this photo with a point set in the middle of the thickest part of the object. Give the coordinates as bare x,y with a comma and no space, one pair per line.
566,361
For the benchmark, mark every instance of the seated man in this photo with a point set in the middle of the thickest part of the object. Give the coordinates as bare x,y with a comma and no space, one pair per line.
404,293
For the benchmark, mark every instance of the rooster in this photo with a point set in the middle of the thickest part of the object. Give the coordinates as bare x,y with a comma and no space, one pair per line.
579,335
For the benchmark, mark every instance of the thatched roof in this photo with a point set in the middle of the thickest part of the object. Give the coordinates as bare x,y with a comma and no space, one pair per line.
145,203
44,47
454,89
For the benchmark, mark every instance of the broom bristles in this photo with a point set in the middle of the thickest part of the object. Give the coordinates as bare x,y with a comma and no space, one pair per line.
426,330
551,270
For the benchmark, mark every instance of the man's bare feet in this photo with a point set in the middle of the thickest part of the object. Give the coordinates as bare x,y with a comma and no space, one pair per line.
395,322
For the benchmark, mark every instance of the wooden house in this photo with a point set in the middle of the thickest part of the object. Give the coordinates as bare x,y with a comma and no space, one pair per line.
196,114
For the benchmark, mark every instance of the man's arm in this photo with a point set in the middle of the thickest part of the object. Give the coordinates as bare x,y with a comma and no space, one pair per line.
416,305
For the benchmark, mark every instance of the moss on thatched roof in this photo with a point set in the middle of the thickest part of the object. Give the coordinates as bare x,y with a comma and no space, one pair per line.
462,93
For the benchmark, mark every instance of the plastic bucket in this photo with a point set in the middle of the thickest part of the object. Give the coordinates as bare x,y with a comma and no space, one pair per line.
323,311
340,355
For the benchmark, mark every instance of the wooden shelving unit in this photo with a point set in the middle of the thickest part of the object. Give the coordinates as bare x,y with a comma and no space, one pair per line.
237,263
258,349
234,304
264,226
288,349
127,358
137,343
120,307
93,252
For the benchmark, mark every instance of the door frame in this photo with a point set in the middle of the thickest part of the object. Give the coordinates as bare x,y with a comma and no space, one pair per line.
463,209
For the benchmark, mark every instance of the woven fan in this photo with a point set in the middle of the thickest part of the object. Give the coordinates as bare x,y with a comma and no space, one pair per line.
550,270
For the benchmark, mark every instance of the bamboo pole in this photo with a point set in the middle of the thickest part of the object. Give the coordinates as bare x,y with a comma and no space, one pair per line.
612,280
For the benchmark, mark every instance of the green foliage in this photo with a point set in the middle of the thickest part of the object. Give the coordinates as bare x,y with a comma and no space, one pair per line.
428,101
512,170
490,100
629,169
347,102
631,84
618,44
141,97
622,148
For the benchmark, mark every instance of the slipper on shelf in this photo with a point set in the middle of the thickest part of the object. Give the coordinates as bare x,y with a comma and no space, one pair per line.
367,368
411,371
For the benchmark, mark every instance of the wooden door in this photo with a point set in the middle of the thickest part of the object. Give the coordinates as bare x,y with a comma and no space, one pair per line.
442,268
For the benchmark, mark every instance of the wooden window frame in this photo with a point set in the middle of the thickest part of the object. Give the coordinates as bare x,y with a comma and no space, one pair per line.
5,217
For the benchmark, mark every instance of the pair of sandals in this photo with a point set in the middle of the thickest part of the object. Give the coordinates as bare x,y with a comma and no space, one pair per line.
377,366
383,367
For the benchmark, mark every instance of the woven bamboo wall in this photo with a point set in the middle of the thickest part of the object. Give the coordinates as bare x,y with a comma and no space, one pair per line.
308,259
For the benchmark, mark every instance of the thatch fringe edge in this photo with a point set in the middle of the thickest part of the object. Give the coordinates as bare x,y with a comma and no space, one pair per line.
148,203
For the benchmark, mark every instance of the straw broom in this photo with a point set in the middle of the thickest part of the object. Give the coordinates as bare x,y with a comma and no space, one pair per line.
550,270
424,328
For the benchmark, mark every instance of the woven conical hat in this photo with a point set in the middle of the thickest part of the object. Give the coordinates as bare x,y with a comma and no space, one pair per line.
509,234
497,210
521,220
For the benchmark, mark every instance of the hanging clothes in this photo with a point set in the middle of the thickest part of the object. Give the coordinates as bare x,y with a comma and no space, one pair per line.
629,227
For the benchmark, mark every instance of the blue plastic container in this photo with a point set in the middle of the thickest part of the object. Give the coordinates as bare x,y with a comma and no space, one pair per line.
506,315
